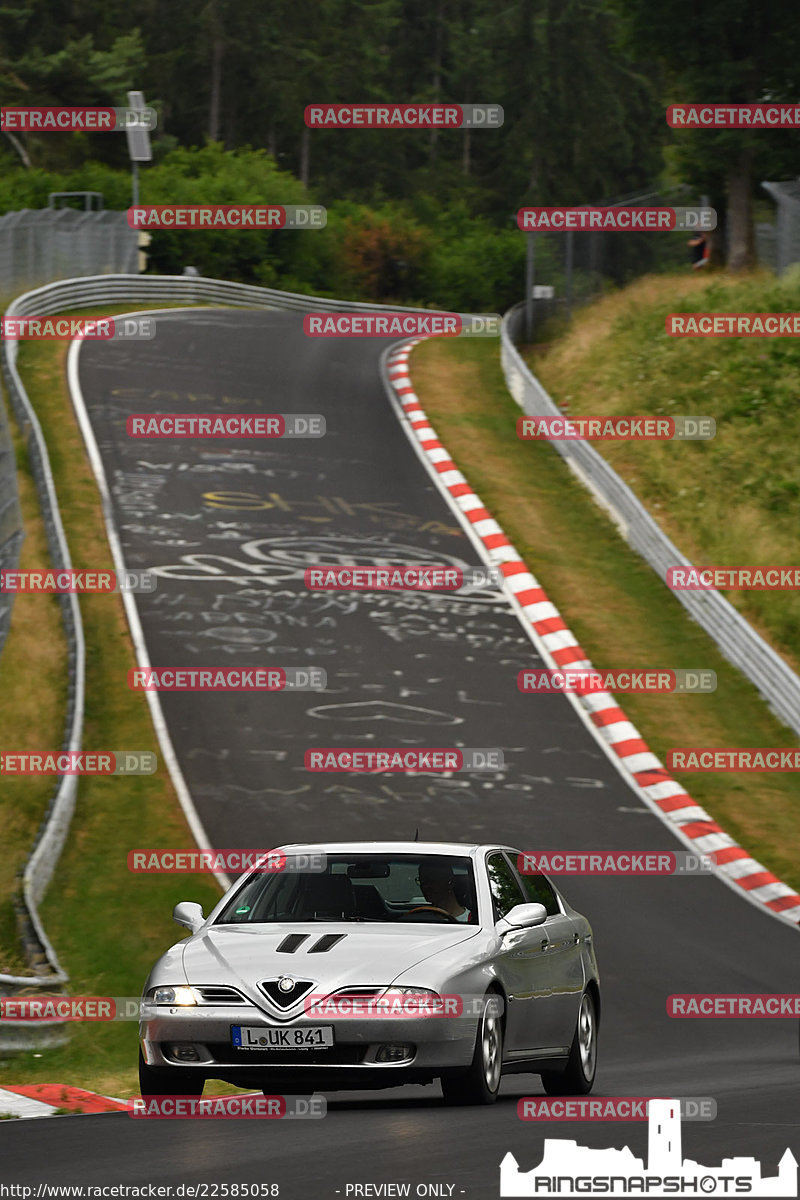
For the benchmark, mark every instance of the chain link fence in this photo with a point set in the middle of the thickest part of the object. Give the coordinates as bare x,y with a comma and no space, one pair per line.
579,267
40,245
786,249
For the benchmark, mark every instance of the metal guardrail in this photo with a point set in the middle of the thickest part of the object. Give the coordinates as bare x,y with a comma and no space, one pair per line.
11,529
57,297
735,637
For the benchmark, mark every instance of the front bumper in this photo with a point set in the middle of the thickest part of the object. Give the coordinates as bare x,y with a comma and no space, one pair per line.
436,1043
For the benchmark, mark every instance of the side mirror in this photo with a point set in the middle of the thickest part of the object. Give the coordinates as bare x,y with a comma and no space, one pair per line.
189,914
522,916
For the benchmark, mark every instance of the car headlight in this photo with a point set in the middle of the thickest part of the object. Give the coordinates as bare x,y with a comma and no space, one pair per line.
180,996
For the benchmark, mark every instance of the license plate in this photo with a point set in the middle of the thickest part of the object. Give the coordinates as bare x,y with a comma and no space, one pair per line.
294,1037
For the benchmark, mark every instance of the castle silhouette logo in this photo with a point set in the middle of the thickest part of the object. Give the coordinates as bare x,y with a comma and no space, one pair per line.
568,1169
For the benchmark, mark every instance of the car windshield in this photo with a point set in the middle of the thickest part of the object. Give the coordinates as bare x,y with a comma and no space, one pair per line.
435,889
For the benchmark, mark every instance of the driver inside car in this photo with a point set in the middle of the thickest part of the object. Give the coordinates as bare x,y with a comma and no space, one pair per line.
437,882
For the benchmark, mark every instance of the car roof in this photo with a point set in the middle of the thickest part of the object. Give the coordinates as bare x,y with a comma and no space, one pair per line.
463,849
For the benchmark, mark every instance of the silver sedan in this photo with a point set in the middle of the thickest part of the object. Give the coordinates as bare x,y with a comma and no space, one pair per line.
374,964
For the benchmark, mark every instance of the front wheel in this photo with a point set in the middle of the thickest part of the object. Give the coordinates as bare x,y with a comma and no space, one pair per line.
168,1081
479,1083
578,1078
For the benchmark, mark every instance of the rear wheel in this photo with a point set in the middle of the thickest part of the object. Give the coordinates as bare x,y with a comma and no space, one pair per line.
479,1083
168,1081
578,1079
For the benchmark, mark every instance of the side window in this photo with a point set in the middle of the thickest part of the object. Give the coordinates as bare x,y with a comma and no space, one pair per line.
539,891
503,885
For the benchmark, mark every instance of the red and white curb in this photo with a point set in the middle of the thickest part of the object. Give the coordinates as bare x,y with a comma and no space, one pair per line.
601,713
45,1099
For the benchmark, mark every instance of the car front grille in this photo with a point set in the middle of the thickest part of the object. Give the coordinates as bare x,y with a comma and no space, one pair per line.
218,994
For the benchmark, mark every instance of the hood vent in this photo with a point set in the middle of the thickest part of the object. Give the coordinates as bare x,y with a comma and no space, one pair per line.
291,942
326,942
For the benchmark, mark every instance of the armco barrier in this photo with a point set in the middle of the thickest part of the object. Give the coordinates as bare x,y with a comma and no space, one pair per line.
57,297
736,639
11,531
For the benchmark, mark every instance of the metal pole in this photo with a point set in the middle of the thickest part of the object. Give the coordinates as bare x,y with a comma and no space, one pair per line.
529,265
135,181
568,272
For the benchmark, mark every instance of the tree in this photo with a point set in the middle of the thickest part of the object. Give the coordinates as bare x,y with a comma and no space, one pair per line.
724,51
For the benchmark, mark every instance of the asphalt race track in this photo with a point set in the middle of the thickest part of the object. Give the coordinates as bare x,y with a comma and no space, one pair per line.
229,527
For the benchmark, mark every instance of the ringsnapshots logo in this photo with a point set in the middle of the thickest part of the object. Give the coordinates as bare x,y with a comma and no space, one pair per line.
232,425
614,862
422,578
78,762
50,119
88,329
763,324
250,1107
227,679
227,216
615,219
403,116
567,1169
587,681
399,324
72,580
438,761
733,116
615,429
183,862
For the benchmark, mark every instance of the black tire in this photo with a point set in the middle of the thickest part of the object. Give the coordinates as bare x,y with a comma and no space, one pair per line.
578,1078
168,1081
479,1083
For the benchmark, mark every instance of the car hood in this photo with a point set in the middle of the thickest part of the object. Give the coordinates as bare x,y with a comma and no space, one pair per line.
243,955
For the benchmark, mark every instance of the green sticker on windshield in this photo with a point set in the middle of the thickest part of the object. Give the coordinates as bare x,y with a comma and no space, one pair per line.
243,910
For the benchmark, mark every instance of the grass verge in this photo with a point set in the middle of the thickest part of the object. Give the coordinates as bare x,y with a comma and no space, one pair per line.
615,604
733,500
